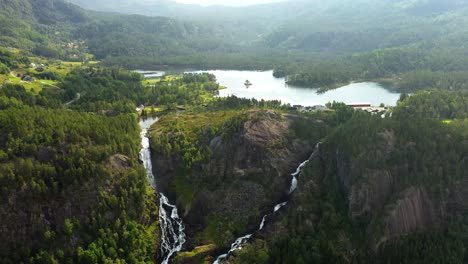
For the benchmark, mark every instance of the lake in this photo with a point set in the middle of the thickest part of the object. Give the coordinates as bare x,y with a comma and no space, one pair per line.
265,86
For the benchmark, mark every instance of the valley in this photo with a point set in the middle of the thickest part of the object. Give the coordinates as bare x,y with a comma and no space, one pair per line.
245,136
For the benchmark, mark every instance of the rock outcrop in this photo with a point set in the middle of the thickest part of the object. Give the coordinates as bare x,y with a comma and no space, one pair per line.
385,199
414,211
248,172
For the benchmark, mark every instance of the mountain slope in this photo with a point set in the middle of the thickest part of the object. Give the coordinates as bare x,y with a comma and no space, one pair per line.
46,27
379,190
39,26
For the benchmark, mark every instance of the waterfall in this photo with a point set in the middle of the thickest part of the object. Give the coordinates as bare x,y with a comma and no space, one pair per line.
240,242
172,228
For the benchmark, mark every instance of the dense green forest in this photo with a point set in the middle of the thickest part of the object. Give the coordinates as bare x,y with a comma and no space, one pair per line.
378,190
73,190
434,104
77,177
391,159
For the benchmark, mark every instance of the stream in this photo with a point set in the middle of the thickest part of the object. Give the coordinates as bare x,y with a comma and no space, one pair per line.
242,241
172,228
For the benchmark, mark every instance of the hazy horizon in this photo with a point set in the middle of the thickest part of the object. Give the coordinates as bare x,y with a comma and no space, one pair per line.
228,2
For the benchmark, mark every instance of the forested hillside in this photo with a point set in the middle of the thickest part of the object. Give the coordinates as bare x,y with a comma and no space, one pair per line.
72,190
378,188
58,29
32,25
72,187
380,191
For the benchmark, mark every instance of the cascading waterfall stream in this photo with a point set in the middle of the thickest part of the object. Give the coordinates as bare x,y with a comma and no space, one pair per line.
241,241
172,228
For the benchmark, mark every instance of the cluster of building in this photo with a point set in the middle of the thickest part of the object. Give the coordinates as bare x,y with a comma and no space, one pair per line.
38,67
378,110
364,107
25,78
71,45
308,109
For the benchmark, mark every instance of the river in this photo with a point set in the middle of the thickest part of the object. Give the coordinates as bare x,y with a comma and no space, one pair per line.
242,241
172,228
266,86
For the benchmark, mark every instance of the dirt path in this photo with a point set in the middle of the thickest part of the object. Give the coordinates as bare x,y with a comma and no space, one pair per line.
78,96
51,85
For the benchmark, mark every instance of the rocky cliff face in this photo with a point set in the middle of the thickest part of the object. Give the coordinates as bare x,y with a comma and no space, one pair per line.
377,198
414,211
248,172
381,195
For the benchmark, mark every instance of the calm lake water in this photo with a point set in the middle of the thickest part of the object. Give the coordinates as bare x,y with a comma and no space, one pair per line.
265,86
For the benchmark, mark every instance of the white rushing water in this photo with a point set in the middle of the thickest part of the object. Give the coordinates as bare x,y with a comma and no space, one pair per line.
241,241
172,228
294,176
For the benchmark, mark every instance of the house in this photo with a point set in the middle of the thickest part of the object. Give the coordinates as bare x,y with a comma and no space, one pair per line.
26,78
140,108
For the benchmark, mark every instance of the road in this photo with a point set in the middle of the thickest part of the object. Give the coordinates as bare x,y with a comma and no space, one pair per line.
78,96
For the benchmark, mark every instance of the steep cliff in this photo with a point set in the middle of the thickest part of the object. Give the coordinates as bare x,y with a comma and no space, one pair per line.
246,170
393,181
380,190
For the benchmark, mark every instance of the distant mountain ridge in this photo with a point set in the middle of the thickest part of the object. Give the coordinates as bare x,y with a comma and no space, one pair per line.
254,36
315,26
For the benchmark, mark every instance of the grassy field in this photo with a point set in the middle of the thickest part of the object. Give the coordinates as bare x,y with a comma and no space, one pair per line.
34,87
447,121
62,68
170,78
165,78
150,81
49,82
155,109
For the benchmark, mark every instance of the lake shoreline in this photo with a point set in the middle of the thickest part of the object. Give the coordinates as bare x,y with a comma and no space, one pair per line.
265,86
388,83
